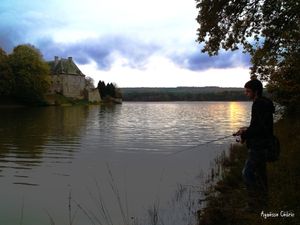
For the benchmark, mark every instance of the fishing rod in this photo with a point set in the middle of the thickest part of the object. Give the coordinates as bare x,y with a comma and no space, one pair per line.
205,143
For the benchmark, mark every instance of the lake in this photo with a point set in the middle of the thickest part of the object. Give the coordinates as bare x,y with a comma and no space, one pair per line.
120,164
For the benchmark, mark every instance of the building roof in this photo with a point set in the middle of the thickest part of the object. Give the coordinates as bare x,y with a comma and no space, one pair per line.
64,66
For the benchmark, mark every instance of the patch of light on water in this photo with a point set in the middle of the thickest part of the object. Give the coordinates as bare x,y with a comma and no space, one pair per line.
68,148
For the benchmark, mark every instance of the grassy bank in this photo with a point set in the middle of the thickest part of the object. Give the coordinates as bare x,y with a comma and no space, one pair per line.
227,198
60,100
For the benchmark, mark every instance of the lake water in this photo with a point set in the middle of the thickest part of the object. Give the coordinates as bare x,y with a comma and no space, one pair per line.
110,165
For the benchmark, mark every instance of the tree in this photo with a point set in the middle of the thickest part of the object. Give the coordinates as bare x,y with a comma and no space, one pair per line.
268,29
31,74
101,87
110,90
6,76
89,83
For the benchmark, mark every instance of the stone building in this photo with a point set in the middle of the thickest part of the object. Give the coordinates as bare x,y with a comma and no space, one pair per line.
68,80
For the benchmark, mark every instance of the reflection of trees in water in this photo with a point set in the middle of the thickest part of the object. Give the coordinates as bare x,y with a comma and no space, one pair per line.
25,132
66,121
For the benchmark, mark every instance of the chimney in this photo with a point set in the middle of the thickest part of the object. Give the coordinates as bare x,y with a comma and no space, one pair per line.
55,60
70,59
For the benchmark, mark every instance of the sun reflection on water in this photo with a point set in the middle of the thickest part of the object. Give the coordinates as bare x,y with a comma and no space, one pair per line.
237,113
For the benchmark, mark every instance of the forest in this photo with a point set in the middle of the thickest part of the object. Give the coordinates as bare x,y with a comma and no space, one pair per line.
183,94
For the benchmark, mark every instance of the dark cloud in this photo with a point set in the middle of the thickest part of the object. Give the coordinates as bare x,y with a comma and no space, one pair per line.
6,43
197,60
10,36
20,25
102,51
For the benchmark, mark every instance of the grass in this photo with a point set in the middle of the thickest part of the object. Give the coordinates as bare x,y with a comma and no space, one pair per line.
58,99
61,100
226,198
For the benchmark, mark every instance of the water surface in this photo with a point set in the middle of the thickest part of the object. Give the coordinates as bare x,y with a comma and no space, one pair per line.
119,154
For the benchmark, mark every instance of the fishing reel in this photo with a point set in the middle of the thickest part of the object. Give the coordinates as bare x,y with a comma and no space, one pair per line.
238,135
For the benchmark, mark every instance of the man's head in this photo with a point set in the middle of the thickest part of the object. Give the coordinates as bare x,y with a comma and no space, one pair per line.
254,89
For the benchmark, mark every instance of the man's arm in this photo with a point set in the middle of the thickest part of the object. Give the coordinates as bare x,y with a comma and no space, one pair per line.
256,127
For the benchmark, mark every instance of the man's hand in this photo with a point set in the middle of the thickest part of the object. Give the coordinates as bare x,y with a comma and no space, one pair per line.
239,133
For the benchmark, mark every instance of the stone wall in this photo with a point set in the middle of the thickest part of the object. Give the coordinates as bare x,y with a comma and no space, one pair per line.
71,86
94,96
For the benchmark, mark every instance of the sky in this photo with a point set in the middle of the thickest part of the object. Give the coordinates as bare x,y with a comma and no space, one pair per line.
132,43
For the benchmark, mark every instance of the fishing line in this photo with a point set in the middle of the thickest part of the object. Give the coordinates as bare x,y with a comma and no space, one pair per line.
157,202
193,147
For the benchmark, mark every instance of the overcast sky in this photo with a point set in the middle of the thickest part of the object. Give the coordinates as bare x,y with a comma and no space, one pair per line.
133,43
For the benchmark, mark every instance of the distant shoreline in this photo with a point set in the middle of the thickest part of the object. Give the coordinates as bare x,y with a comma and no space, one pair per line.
210,93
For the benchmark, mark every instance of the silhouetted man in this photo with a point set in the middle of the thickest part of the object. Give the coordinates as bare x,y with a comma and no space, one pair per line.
257,137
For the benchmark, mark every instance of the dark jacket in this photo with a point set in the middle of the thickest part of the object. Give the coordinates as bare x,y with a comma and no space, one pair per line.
261,125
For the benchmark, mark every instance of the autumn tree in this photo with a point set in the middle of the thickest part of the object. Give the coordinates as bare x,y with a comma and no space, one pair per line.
31,74
6,76
267,29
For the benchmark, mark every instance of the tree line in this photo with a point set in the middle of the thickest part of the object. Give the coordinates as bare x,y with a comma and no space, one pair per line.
108,90
183,94
24,75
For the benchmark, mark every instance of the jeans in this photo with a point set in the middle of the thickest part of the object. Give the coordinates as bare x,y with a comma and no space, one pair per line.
255,177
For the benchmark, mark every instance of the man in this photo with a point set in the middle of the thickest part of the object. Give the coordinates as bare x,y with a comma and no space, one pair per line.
257,137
